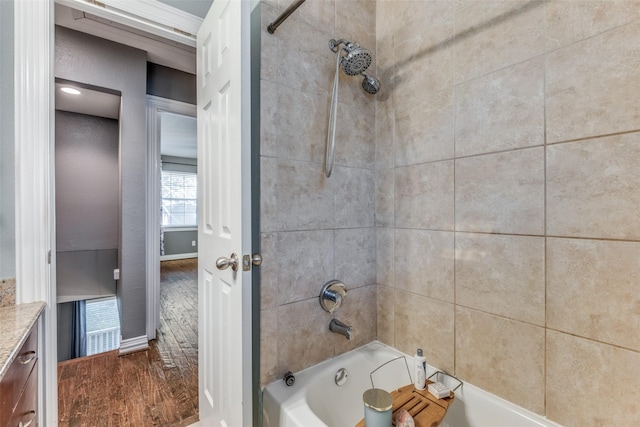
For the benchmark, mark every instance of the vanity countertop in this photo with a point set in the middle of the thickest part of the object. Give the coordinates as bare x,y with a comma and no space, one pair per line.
15,323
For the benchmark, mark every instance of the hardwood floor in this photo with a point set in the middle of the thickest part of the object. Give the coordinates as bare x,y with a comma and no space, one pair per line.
156,387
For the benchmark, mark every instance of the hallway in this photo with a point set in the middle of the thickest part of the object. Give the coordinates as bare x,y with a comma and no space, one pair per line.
156,387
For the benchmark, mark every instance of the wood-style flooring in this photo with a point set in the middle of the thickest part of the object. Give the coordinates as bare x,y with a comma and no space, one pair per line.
156,387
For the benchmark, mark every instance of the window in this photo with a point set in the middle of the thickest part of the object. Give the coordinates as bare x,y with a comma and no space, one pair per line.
103,325
179,199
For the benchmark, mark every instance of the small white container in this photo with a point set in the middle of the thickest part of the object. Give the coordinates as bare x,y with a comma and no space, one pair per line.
420,365
377,408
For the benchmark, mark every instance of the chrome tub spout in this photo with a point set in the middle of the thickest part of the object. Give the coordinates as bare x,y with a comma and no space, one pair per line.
338,327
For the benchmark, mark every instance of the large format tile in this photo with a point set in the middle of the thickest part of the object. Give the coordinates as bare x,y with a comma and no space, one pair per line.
424,196
304,338
385,187
424,263
355,199
502,110
268,198
422,322
301,124
569,21
593,188
385,140
304,196
355,256
385,256
385,303
269,269
493,34
305,262
424,128
592,86
502,275
502,193
268,346
591,384
502,356
268,117
409,17
593,289
355,142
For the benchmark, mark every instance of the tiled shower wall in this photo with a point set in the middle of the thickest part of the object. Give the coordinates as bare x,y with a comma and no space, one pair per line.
508,198
314,229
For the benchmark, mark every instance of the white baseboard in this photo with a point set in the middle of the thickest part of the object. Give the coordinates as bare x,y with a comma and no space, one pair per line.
132,345
178,256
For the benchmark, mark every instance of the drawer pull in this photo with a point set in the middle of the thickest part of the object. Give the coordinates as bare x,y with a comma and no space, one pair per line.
32,415
26,358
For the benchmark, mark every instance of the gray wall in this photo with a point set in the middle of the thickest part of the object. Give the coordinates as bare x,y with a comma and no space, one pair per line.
87,59
7,170
169,83
179,242
65,320
87,205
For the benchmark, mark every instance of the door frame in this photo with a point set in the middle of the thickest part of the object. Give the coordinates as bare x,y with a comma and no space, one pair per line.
155,105
34,159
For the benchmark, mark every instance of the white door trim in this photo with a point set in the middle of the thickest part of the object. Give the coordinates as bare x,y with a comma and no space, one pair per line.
155,105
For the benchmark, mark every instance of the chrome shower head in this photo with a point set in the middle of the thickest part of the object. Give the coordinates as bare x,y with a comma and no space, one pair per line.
370,84
356,61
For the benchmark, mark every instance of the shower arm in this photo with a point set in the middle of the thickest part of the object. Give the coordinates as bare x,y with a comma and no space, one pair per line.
334,45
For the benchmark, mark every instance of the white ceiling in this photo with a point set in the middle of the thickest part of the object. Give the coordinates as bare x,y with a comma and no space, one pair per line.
90,102
194,7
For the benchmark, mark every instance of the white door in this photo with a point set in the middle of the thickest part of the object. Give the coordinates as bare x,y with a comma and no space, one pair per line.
224,189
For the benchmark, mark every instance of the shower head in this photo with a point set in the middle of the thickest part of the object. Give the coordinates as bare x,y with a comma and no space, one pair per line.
356,59
370,84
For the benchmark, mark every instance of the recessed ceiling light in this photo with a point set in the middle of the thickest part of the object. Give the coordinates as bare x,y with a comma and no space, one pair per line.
70,90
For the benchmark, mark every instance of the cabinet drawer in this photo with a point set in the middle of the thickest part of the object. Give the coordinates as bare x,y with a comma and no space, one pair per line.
16,377
26,412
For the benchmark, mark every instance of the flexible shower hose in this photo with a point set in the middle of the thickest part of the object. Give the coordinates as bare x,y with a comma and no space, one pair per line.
331,134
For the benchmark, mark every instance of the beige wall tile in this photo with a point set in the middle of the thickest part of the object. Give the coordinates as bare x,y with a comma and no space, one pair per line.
318,13
502,110
385,259
493,34
305,62
591,384
422,322
590,86
410,17
355,202
385,140
593,188
269,346
424,196
268,117
304,196
502,275
304,338
424,61
502,356
424,263
502,193
302,124
269,270
355,256
385,186
385,303
424,127
305,262
593,290
359,312
355,143
355,21
569,21
268,199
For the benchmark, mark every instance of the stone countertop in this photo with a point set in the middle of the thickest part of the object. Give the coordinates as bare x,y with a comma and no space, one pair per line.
15,323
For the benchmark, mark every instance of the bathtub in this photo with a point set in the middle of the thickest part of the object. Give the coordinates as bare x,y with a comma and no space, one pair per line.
316,401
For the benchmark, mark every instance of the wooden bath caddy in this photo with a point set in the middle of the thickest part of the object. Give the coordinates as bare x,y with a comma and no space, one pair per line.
426,409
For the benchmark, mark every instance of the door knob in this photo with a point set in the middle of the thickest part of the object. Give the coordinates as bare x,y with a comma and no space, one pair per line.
223,262
249,260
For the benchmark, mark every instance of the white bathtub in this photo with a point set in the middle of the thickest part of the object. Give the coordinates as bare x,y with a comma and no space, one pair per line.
316,401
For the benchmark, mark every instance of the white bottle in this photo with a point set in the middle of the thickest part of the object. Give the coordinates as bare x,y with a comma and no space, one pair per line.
420,365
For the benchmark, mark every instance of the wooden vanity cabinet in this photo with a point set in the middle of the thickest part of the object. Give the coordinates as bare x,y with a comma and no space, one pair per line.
19,387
